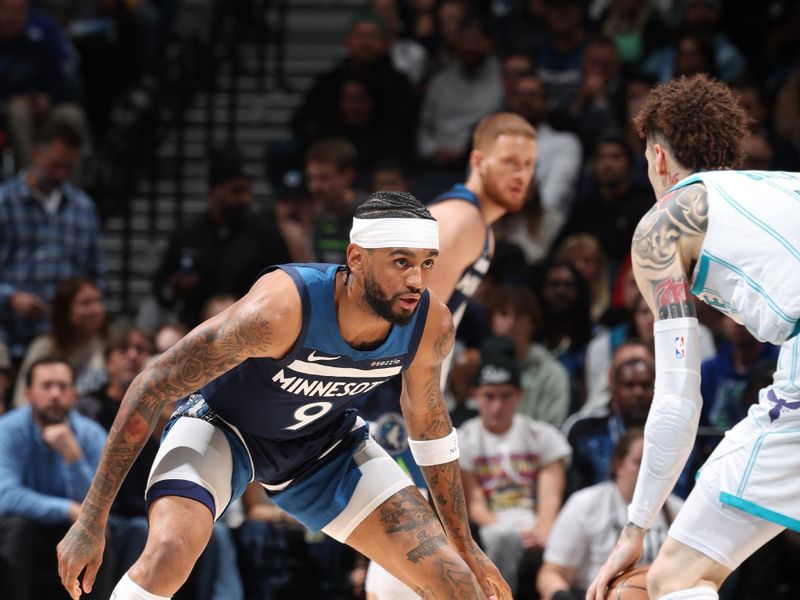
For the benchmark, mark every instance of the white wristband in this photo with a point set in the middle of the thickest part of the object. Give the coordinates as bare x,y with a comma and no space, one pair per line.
435,452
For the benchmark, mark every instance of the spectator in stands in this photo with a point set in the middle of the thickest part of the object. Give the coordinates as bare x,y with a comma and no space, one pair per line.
558,60
690,54
222,250
514,64
126,353
512,468
724,377
48,456
566,326
37,80
610,202
367,58
331,171
593,434
558,165
267,544
589,524
391,175
293,212
49,231
515,312
167,336
636,29
583,251
409,56
595,107
77,334
757,154
458,97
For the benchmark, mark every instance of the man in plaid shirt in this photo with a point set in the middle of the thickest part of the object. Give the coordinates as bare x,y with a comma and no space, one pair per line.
49,230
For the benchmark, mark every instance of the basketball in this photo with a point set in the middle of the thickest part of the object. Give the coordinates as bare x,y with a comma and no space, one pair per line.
629,585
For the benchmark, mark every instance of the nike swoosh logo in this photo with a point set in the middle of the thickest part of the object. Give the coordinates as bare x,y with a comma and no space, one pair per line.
313,358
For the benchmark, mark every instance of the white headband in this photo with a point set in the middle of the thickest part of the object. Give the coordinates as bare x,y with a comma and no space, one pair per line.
395,233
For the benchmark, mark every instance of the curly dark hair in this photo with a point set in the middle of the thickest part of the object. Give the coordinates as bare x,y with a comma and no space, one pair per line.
698,119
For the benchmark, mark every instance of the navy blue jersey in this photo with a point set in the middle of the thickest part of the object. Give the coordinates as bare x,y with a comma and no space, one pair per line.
291,410
473,275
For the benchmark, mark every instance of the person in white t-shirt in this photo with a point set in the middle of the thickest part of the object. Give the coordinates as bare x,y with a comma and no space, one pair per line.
512,466
588,526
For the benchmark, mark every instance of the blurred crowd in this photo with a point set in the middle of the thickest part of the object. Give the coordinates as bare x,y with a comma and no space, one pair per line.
553,372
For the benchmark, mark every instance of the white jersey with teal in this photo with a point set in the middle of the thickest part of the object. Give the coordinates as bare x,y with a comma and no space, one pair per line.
749,269
749,265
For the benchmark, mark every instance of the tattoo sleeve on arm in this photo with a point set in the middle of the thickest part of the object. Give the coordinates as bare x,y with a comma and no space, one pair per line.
204,354
680,215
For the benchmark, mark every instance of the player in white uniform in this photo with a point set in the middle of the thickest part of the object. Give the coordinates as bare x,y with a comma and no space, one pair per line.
731,238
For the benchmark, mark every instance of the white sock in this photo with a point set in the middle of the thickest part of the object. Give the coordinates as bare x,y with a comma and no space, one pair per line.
127,590
696,593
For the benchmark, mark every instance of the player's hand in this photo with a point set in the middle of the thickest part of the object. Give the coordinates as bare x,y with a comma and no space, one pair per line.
81,547
627,552
488,576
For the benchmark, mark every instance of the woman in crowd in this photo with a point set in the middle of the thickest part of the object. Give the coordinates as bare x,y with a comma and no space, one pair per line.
78,329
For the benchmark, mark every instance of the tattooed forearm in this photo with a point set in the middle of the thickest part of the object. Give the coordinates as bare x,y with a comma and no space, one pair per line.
198,358
455,583
444,483
673,298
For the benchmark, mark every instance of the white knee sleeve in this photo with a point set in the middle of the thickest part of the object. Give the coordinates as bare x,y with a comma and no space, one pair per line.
696,593
674,415
127,590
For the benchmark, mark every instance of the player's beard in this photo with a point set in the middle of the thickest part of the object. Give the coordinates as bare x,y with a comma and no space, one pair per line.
501,198
381,304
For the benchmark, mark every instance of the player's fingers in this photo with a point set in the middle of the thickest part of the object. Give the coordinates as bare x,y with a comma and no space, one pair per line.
90,575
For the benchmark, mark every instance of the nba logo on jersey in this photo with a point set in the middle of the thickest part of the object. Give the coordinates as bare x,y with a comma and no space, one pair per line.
680,347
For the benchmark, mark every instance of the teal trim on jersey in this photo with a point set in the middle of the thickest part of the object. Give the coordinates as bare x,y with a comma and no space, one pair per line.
757,222
795,331
759,511
751,461
749,281
702,275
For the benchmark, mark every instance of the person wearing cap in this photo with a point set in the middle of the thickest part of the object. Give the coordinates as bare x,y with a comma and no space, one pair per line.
224,249
265,389
512,466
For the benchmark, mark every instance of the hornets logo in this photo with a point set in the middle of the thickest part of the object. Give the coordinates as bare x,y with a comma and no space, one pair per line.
389,430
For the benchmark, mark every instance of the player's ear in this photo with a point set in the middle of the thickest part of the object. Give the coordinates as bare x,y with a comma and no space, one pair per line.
475,159
355,258
660,159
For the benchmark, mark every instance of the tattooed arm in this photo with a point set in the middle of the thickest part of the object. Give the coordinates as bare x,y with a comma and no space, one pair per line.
427,419
665,244
263,323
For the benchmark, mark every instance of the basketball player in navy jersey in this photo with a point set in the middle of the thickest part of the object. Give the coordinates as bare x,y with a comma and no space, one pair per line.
502,163
266,385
